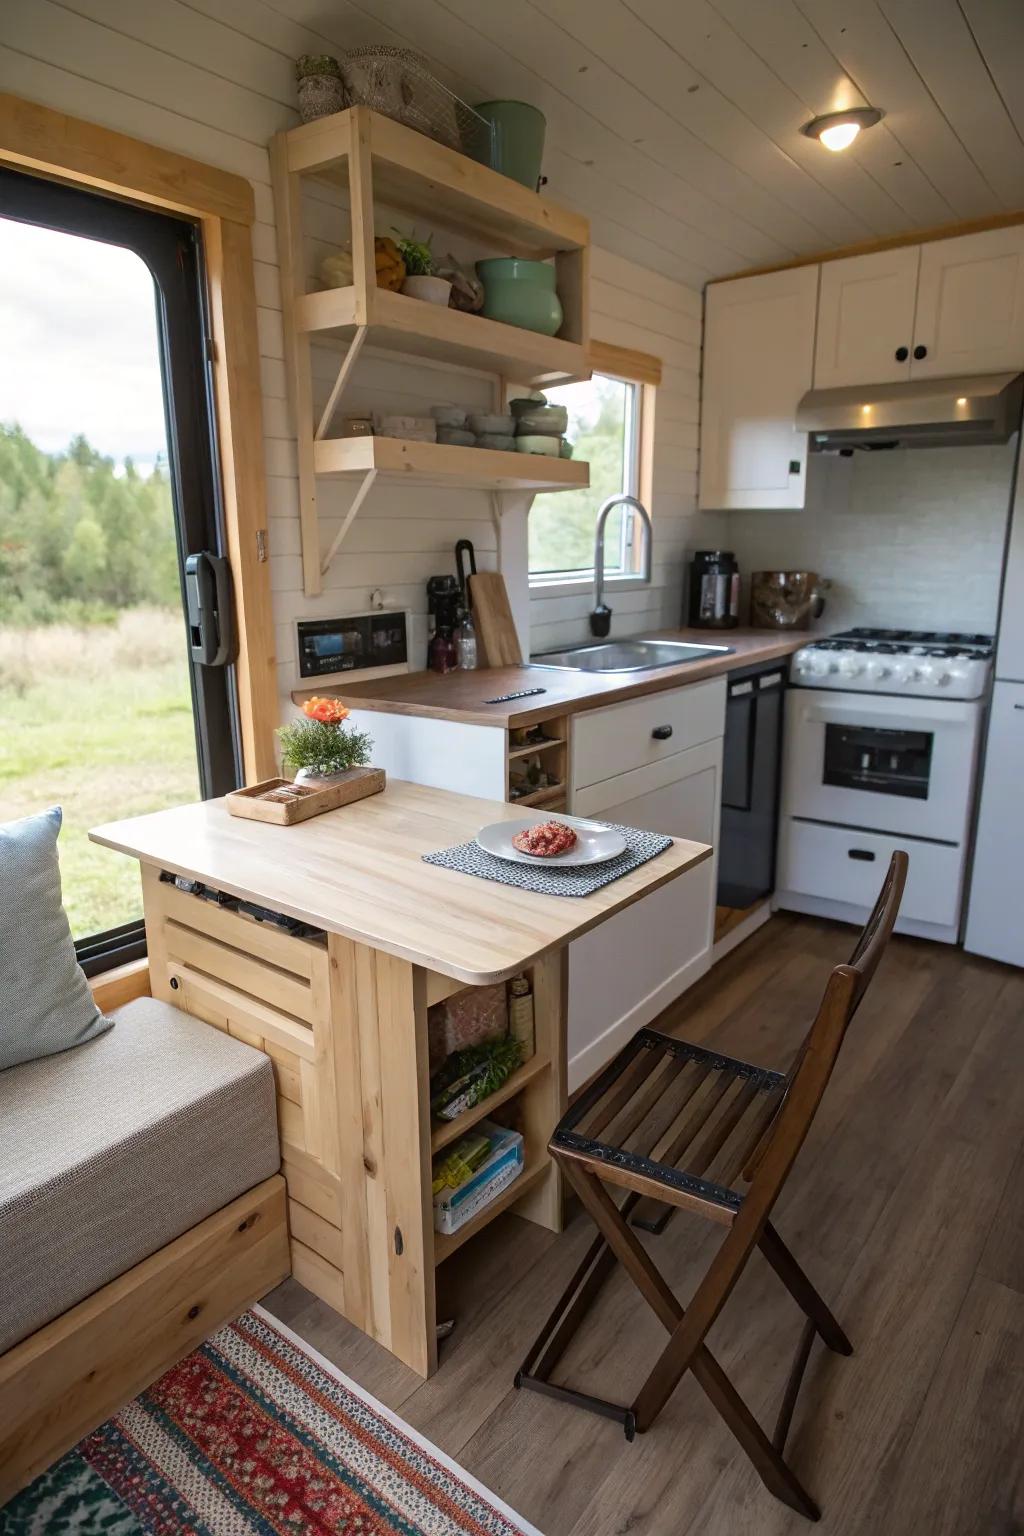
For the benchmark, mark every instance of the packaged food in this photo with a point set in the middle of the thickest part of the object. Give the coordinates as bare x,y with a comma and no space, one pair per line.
468,1177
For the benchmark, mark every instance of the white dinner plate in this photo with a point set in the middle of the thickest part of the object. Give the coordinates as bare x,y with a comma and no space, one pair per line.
595,843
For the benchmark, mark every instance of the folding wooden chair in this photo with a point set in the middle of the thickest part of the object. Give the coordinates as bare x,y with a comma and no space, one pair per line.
685,1126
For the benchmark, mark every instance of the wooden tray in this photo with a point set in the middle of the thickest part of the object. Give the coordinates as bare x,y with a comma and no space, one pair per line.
253,801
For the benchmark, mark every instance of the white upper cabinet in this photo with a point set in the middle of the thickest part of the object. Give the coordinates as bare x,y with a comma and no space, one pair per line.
866,318
970,305
758,362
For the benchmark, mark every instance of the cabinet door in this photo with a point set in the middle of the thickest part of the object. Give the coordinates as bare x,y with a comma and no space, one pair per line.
997,882
970,305
758,362
866,319
631,967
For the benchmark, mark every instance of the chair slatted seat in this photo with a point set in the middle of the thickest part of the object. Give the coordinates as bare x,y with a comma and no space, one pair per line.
679,1126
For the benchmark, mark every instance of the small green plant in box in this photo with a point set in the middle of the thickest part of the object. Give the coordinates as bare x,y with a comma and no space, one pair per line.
417,254
319,746
468,1076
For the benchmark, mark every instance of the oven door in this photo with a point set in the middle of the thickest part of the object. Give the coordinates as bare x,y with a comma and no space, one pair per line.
892,764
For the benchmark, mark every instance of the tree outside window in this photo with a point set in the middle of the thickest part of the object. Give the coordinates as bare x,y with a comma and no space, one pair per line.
603,427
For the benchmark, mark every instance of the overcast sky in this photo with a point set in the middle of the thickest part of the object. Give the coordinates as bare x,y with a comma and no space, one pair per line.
78,343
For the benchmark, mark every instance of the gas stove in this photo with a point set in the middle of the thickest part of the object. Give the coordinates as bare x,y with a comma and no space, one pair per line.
903,661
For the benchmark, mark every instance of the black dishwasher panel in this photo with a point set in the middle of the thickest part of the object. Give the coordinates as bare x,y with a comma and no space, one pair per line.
750,785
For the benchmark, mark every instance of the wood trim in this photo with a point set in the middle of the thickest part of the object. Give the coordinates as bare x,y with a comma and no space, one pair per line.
121,985
62,1381
47,143
625,362
39,139
885,243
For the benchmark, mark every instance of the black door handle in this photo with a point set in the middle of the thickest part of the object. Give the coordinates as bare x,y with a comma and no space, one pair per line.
662,732
861,853
211,629
902,353
920,352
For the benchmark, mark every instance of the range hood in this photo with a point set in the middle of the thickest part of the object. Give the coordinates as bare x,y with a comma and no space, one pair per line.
925,413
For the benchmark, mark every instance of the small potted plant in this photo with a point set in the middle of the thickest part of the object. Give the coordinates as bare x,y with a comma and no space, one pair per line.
420,281
321,88
319,747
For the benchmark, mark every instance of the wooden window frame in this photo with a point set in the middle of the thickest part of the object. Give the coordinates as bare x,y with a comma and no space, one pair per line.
643,370
48,143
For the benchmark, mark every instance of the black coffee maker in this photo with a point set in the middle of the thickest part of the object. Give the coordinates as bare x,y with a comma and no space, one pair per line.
444,602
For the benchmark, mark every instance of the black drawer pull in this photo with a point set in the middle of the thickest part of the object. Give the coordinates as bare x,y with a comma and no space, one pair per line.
662,732
902,353
861,853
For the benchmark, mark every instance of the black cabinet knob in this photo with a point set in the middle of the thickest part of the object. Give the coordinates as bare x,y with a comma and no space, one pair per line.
662,732
920,352
902,353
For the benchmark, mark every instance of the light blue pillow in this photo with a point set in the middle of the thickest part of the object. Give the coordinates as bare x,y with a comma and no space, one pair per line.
45,1001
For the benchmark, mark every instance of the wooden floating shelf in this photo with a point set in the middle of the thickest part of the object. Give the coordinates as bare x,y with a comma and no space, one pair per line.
450,1130
398,323
536,746
445,1243
483,469
421,176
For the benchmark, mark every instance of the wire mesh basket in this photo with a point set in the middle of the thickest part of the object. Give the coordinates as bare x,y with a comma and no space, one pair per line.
398,83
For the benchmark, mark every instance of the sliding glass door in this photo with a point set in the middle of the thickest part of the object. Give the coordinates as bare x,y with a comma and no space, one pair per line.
117,689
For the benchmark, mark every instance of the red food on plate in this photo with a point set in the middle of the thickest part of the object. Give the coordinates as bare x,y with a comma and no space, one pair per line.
546,839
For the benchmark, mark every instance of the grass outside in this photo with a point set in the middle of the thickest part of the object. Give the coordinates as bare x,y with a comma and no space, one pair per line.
88,725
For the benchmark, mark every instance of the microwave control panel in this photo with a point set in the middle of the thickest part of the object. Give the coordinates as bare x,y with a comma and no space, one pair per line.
327,646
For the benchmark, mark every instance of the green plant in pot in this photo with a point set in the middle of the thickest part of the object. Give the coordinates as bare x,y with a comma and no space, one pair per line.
421,281
319,747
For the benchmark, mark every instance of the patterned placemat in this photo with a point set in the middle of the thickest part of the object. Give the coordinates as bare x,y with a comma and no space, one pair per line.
470,859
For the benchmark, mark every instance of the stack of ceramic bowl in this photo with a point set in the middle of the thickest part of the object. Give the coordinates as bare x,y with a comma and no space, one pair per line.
451,426
540,427
494,430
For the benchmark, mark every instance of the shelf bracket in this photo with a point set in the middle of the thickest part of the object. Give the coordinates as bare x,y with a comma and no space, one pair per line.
348,362
349,518
496,509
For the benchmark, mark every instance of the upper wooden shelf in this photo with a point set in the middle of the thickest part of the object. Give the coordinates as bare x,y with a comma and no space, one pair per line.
420,176
402,324
482,469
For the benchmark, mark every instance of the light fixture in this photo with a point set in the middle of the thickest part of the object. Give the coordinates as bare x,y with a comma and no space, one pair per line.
962,400
837,130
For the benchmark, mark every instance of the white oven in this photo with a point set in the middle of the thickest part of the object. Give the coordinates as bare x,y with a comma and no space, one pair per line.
882,762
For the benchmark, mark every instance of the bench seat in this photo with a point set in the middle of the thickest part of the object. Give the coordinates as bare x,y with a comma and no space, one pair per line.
113,1149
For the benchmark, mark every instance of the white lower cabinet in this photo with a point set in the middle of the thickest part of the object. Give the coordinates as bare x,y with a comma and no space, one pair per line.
624,973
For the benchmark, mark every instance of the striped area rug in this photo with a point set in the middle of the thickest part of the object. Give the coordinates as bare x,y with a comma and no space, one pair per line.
256,1435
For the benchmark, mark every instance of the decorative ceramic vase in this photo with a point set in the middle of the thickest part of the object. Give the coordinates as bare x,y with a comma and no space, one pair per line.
435,290
516,140
319,778
521,293
321,88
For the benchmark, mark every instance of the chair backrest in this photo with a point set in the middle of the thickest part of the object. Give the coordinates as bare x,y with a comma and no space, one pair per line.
812,1066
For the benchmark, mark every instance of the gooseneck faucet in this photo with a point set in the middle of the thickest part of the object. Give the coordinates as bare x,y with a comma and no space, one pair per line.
601,617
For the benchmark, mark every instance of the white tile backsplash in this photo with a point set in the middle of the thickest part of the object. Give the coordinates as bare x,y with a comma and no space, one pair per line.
909,537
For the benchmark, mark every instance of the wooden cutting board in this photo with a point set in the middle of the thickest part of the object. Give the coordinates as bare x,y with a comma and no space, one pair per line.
492,614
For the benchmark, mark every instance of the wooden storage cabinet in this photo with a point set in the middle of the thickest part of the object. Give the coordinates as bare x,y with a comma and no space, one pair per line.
866,310
340,1021
758,363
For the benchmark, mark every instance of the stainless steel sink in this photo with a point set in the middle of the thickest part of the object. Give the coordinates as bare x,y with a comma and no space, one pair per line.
627,656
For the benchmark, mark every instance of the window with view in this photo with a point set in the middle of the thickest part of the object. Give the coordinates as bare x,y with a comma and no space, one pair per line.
604,422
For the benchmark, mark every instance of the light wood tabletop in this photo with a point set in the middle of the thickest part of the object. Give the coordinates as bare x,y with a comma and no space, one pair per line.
359,871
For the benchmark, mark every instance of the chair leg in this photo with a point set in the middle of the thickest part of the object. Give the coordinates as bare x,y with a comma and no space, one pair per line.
770,1466
802,1291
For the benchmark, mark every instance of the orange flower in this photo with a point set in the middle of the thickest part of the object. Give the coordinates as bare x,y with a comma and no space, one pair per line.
327,711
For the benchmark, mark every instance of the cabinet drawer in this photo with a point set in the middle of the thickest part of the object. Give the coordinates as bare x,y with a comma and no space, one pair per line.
607,742
842,864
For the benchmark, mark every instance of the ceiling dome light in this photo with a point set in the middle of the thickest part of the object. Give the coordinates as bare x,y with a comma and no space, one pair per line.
837,130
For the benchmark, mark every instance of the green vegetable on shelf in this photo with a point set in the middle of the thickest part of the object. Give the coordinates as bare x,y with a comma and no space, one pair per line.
458,1166
417,255
473,1074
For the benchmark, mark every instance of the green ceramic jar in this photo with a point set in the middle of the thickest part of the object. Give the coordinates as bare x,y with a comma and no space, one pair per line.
516,140
521,293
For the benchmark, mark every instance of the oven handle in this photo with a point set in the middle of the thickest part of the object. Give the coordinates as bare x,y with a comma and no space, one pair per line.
855,714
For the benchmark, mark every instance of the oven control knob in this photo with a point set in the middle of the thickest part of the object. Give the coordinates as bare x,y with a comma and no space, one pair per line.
879,668
944,679
850,666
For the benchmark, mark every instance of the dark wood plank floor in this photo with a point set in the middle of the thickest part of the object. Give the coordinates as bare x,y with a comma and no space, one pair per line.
907,1209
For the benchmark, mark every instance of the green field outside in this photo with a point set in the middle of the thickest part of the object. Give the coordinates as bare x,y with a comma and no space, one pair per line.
85,726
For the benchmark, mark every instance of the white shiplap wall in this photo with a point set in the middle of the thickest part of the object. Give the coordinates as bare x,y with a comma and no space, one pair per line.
214,79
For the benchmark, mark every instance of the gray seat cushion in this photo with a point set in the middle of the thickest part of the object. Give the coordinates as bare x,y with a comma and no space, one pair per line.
45,1002
112,1150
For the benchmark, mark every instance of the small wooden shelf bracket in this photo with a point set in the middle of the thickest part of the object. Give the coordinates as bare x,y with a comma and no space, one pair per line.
365,486
348,363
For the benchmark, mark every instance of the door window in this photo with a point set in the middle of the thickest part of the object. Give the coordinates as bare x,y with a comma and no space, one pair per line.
107,484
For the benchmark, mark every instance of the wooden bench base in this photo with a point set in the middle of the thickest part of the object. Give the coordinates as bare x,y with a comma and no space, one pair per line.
64,1380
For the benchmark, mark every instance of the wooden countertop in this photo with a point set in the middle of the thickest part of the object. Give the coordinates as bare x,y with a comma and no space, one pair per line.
358,871
462,695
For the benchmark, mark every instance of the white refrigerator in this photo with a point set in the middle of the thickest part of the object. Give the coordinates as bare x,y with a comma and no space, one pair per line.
995,913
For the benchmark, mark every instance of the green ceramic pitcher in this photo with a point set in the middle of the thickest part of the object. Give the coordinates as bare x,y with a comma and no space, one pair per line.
517,140
521,293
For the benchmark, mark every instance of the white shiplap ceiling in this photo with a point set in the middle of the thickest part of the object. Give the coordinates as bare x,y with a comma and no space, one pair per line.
674,124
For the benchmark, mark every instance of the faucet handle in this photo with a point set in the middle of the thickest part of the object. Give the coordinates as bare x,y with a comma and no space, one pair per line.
601,621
